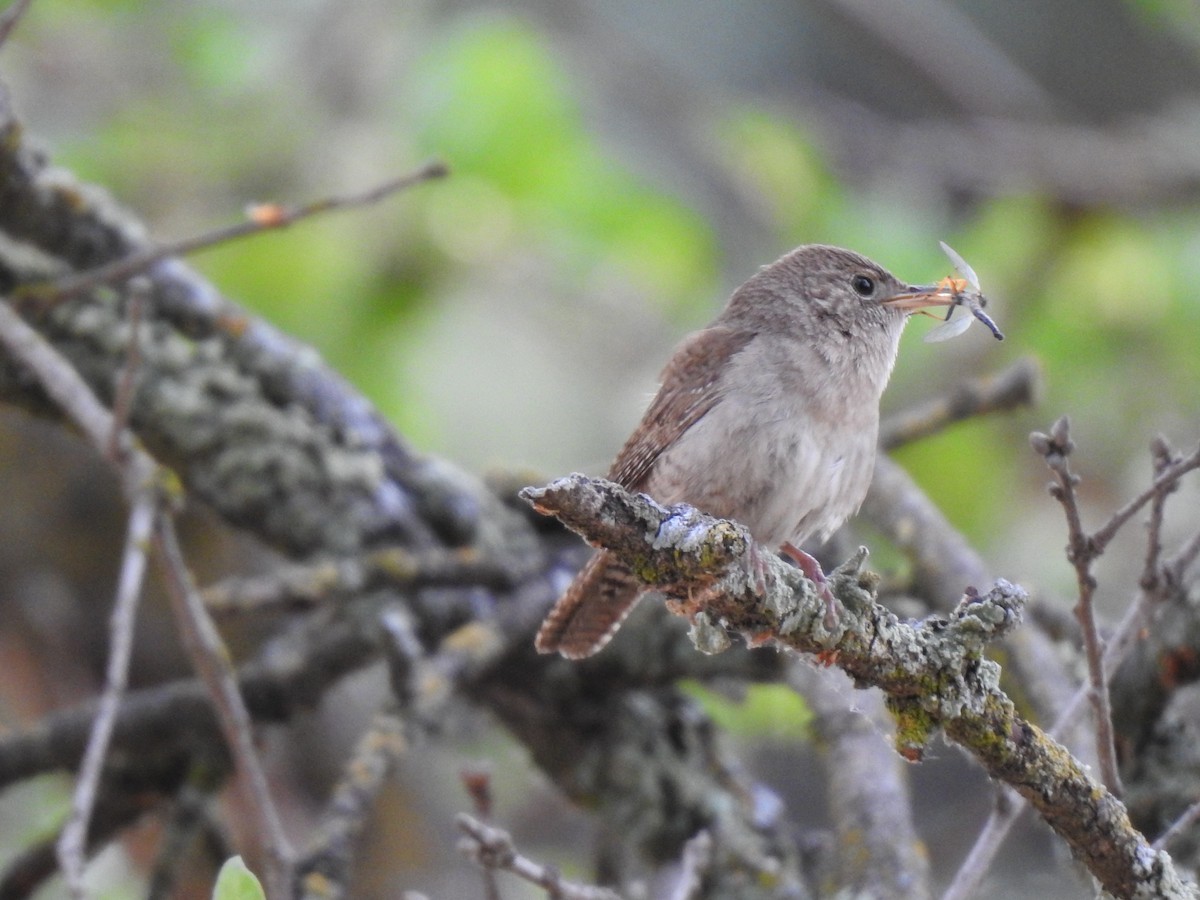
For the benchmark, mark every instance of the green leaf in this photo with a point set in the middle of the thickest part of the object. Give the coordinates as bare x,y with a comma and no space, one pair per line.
765,710
236,882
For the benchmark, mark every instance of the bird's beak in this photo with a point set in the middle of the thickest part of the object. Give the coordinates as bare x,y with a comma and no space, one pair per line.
919,296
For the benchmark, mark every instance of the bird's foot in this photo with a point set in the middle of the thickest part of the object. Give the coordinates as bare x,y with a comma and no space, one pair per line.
756,569
813,572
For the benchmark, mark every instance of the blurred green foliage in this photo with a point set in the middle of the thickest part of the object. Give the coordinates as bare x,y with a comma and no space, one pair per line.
1178,16
1104,298
491,99
766,710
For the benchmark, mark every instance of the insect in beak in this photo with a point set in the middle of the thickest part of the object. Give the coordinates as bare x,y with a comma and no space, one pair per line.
952,293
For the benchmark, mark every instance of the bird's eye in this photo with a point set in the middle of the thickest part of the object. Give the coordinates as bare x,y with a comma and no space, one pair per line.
863,285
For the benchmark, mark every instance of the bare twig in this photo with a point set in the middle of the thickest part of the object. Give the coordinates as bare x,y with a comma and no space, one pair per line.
139,295
140,477
141,474
266,217
478,784
973,869
1183,559
72,394
72,843
10,17
211,662
1085,548
492,848
1082,550
1151,568
1163,480
876,848
1190,817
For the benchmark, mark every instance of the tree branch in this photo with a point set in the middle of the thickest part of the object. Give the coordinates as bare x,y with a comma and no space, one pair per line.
1082,550
260,218
1017,386
933,672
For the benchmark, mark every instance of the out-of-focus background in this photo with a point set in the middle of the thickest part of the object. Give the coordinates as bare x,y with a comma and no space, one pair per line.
617,169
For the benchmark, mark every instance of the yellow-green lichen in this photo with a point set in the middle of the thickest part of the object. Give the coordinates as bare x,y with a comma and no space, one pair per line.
915,726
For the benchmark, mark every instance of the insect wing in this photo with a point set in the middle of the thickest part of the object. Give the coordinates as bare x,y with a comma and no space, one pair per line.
950,329
963,267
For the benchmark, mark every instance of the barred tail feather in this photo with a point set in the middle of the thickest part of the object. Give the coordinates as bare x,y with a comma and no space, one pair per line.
587,616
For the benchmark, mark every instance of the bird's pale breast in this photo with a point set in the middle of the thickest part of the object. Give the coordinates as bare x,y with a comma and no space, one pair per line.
757,458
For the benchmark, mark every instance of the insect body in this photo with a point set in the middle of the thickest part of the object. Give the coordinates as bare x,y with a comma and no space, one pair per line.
964,291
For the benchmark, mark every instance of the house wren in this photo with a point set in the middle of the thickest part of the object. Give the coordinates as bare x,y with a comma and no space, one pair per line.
769,416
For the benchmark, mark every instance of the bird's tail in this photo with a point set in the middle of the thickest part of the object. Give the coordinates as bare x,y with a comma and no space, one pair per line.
587,616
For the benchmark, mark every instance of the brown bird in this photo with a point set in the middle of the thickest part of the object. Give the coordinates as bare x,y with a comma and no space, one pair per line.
769,416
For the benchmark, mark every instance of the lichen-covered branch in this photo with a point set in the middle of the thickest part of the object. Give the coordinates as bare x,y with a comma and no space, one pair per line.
933,672
255,423
878,850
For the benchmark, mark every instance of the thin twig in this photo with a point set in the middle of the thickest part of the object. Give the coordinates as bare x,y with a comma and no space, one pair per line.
265,217
1190,817
1169,476
492,848
72,843
10,17
1122,637
1183,559
1151,570
139,475
139,295
1056,448
970,874
71,393
478,784
211,661
301,586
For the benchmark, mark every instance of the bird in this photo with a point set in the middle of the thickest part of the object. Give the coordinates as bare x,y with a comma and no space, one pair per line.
769,416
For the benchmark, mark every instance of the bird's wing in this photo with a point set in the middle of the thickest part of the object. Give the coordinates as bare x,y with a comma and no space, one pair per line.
690,388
